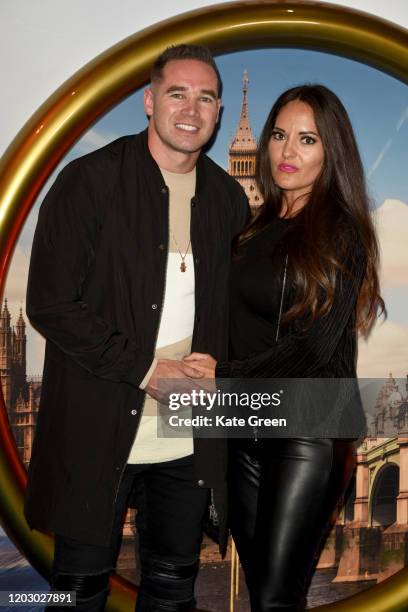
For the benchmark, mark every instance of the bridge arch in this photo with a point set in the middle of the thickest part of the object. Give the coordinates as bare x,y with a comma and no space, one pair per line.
383,497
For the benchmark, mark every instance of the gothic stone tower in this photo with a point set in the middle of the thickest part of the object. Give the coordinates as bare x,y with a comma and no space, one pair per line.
6,361
242,152
21,394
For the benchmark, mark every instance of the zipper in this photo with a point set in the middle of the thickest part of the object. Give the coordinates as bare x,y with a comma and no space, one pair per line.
255,429
282,297
212,510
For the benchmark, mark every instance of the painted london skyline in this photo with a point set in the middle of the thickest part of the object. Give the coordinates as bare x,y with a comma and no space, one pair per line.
378,107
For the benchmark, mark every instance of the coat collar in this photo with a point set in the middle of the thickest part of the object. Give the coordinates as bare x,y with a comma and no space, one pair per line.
153,169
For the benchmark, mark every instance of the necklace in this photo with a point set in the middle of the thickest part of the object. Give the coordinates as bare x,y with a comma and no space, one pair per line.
183,266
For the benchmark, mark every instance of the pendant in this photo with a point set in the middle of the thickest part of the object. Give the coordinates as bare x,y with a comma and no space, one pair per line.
183,267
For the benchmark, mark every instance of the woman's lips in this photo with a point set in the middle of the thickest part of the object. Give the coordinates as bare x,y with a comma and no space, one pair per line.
287,168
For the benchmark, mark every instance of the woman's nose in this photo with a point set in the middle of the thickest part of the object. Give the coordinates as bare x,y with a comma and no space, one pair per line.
289,149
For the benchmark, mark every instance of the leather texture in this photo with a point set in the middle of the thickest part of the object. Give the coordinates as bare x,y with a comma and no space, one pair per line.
283,494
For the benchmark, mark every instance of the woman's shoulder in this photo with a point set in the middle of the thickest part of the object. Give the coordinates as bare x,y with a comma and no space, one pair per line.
349,235
350,247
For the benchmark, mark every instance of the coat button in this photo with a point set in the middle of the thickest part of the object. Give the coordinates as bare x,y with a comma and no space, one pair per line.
201,483
164,190
197,260
154,306
197,318
193,203
162,247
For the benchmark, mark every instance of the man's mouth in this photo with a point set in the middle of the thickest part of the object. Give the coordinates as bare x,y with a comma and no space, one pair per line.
186,127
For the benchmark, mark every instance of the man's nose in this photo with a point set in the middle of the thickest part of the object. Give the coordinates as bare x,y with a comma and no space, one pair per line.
191,107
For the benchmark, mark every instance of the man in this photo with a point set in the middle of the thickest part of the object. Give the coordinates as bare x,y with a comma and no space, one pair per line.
128,274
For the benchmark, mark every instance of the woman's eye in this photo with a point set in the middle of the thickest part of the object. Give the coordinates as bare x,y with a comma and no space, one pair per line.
277,136
309,140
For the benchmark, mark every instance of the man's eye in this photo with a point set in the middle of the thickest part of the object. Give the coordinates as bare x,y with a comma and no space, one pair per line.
206,99
178,96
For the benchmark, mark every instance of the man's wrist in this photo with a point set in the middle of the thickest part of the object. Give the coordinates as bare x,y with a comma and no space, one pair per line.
148,375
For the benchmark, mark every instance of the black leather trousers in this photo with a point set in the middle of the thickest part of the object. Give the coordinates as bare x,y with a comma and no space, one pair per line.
283,493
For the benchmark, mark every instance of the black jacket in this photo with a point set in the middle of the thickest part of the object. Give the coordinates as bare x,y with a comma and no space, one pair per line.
95,291
325,351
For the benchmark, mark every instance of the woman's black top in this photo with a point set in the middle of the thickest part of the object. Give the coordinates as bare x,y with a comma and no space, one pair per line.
325,349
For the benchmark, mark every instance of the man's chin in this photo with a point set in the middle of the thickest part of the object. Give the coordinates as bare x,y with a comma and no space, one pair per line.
187,144
187,147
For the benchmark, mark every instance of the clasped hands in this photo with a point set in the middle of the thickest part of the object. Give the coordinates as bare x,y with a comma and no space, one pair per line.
185,374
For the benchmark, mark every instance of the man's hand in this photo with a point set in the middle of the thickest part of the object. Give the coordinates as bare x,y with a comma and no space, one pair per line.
172,370
202,362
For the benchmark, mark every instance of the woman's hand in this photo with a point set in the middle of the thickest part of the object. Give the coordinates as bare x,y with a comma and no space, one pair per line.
203,363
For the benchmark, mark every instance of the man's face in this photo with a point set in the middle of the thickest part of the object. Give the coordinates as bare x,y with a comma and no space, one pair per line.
183,106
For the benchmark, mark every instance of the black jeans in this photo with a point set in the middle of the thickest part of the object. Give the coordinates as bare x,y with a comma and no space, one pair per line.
283,493
171,510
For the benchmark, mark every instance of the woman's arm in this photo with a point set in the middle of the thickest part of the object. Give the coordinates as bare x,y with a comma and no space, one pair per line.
302,354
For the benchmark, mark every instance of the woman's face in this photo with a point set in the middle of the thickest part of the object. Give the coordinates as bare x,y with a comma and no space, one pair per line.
296,153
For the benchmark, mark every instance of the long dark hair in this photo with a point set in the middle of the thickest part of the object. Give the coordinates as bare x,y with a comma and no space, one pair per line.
322,236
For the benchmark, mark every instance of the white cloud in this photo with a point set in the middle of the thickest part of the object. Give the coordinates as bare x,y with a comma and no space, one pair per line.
35,351
379,158
391,220
92,140
385,351
387,347
402,119
381,155
16,284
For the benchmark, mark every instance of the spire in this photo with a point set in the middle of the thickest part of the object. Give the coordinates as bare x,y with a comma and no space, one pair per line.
5,312
20,325
5,317
244,139
245,82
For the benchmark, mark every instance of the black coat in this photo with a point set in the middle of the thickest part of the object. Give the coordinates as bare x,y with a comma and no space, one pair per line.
95,291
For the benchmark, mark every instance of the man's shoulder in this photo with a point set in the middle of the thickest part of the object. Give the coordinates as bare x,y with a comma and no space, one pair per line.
106,162
225,189
219,174
110,152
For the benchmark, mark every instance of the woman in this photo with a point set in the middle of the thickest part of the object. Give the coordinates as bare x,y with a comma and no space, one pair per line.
303,282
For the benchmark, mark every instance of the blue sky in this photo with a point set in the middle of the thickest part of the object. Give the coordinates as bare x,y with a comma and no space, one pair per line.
377,105
378,108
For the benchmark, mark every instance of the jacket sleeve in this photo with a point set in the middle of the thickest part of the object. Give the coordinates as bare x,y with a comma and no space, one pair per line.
302,354
64,248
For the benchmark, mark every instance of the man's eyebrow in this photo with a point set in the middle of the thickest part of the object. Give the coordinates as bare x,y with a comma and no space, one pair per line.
175,88
207,92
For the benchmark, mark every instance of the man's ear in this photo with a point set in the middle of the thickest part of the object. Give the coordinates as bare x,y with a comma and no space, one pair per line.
148,101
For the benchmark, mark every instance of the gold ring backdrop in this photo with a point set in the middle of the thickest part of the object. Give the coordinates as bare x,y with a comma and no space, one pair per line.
98,86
